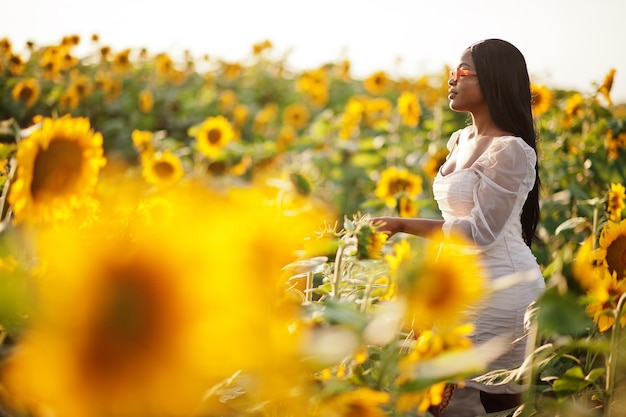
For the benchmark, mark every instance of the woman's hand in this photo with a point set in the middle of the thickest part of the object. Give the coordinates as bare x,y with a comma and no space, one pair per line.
389,225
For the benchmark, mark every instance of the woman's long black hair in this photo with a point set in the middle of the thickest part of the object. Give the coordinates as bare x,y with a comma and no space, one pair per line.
505,85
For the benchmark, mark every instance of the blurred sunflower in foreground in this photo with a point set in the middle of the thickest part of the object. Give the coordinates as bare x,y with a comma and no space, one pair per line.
439,290
159,304
58,165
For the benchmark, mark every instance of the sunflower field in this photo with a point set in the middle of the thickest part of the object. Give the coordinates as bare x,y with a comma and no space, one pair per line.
186,236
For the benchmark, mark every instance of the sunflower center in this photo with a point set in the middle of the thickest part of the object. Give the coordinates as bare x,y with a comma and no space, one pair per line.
163,169
214,136
398,186
616,256
126,323
26,93
56,169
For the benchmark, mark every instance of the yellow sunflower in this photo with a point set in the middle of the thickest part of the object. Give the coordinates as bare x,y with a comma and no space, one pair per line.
588,265
607,85
394,181
121,61
377,83
351,118
409,108
421,400
377,112
448,281
70,99
542,99
362,402
145,101
314,85
241,114
258,48
370,242
57,165
296,115
286,137
27,90
162,168
407,207
613,247
148,315
213,135
143,141
434,163
605,294
615,202
227,100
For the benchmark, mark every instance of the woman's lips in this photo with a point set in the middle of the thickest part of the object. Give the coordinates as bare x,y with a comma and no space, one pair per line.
451,94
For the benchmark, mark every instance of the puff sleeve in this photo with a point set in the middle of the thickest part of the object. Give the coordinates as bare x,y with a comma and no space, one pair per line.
505,175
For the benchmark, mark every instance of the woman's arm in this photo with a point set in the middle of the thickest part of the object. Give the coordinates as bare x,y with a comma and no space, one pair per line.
414,226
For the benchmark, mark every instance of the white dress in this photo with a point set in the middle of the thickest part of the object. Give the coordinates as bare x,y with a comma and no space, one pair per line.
484,201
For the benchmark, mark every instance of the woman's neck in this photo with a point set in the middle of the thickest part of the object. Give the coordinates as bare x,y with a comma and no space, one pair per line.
483,125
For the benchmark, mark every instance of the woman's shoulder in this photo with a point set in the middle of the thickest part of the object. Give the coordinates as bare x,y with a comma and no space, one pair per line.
506,152
455,136
512,142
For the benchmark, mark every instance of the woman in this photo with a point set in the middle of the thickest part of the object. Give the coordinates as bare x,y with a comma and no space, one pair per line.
488,190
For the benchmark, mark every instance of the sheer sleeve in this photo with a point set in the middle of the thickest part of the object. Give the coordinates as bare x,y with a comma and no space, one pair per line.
506,174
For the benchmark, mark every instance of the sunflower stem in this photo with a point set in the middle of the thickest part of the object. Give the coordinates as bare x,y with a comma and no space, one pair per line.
611,362
308,294
337,271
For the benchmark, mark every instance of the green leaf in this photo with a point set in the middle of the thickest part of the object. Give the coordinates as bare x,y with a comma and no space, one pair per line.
562,313
571,382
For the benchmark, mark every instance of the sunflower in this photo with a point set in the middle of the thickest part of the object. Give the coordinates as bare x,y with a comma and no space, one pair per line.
147,316
57,165
542,99
615,202
164,64
574,105
409,108
16,65
296,115
377,83
434,163
162,168
612,248
362,402
314,85
121,61
213,135
407,207
241,114
421,400
394,181
227,100
70,99
370,242
440,288
607,85
377,112
265,116
27,90
145,101
588,266
286,137
351,118
143,141
258,48
605,294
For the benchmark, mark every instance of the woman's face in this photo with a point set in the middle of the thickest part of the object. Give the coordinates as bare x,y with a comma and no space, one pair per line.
464,92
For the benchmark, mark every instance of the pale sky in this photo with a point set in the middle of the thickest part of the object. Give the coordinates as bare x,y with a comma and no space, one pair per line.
567,43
